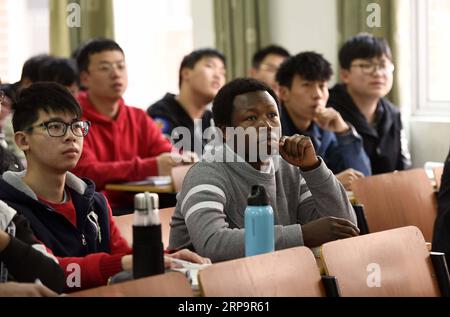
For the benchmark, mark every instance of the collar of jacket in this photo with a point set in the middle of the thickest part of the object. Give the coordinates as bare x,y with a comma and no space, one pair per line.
15,179
343,102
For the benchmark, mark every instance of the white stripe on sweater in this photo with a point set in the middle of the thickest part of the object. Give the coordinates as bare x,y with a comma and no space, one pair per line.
305,195
204,204
201,188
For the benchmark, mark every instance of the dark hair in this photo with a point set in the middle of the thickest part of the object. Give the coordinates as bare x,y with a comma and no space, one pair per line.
30,69
59,70
9,162
223,104
363,45
94,46
10,91
308,65
192,58
45,96
260,55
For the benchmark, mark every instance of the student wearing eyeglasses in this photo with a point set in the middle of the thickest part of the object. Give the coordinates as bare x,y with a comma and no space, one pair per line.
124,144
65,212
366,72
265,64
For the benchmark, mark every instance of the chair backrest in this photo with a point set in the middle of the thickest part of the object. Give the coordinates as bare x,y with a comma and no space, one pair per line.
398,199
172,284
125,225
178,173
389,263
290,272
437,172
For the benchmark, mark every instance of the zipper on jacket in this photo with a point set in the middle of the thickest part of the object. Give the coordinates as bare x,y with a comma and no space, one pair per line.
83,239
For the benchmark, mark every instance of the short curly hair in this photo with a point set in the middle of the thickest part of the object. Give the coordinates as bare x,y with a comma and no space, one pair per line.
223,104
308,65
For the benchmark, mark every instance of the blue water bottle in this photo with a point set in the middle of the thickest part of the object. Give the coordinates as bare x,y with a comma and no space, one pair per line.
259,227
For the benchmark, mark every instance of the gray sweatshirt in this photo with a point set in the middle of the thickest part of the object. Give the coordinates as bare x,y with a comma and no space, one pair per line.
209,215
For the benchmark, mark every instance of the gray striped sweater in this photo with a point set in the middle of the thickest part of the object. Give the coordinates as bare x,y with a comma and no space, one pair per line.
209,215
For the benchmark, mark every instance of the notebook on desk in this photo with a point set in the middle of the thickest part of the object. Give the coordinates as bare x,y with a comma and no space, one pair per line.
190,270
152,181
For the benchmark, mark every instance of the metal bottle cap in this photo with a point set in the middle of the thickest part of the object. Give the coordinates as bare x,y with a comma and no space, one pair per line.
140,201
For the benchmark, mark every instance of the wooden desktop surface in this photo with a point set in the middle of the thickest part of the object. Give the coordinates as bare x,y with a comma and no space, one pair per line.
168,284
141,188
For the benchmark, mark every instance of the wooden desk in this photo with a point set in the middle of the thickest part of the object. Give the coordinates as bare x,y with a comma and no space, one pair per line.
168,284
141,188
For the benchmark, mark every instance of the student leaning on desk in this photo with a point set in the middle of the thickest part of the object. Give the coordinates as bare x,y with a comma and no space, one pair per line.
310,205
65,212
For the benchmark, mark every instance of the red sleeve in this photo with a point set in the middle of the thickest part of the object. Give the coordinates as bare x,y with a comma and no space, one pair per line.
151,144
103,173
94,269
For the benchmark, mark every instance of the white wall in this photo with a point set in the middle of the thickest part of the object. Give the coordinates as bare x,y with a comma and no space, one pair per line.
155,35
298,25
203,23
301,25
430,140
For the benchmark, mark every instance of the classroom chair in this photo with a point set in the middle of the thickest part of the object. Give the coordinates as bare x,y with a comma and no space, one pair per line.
399,199
289,272
388,263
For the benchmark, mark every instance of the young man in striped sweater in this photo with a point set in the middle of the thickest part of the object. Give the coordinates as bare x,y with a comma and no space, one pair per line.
310,205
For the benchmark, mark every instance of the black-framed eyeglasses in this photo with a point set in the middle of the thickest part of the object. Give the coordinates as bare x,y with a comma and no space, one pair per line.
59,128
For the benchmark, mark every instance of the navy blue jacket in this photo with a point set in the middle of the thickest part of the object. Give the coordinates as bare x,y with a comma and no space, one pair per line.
53,229
339,152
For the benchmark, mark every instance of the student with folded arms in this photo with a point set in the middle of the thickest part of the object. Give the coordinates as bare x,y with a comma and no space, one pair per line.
310,205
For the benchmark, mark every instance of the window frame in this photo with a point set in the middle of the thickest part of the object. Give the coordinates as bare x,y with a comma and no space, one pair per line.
422,104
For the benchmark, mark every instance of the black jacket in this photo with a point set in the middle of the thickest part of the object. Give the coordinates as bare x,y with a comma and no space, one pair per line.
26,264
441,234
169,114
383,142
